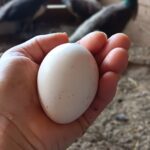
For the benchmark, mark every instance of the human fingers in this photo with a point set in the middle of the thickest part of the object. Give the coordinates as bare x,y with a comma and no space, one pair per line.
97,43
115,61
37,47
118,40
94,41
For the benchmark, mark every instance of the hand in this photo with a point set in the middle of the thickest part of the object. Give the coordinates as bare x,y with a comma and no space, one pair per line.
22,120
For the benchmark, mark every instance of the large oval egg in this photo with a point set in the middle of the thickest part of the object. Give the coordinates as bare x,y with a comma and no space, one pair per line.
67,82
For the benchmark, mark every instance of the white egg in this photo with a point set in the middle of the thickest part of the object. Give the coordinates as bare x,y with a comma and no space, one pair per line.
67,82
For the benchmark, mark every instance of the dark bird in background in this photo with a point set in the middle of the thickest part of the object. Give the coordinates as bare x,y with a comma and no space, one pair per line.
111,19
4,1
83,8
16,13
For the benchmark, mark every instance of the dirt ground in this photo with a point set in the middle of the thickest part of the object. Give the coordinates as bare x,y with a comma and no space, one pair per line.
125,123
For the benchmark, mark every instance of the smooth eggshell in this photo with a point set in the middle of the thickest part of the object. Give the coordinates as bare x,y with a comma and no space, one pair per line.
67,82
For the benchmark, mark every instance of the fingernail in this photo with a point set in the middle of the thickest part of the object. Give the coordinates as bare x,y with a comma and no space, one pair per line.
100,32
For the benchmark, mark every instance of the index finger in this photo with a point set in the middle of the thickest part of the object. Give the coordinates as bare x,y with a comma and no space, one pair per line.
37,47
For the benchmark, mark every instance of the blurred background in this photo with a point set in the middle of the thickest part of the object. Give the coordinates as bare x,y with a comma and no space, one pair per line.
125,123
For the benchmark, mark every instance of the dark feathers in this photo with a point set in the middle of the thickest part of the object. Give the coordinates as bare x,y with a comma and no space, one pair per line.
83,8
17,15
18,10
111,19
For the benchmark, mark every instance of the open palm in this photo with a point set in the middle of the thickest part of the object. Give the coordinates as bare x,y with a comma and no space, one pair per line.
19,101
